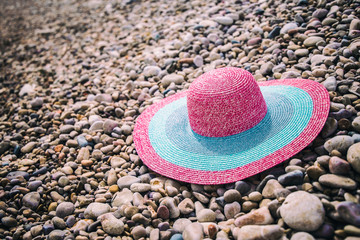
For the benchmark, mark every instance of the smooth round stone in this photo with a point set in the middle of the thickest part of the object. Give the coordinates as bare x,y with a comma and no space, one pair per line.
94,210
63,181
96,126
138,232
163,212
180,224
140,187
301,52
206,215
82,141
109,125
171,205
302,236
172,78
65,209
231,209
291,178
320,13
193,231
110,224
339,166
186,206
198,61
275,32
57,235
58,223
176,236
353,157
335,181
349,212
302,211
259,216
31,200
330,83
329,127
254,232
32,186
37,102
127,181
312,41
242,187
352,230
224,20
325,231
163,226
232,195
271,187
340,143
126,129
9,221
150,71
287,27
28,147
255,196
356,124
70,221
16,174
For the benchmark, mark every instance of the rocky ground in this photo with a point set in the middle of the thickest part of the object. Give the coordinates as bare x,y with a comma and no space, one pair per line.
75,75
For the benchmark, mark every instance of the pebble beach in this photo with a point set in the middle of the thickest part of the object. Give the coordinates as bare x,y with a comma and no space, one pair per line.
75,75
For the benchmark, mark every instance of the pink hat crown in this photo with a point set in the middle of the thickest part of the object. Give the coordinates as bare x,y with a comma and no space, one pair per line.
225,102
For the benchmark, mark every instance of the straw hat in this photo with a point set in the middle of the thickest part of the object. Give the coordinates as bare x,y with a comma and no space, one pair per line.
227,126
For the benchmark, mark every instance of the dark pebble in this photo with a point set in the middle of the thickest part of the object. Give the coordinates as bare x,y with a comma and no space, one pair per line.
9,221
291,178
350,212
242,187
275,32
325,231
163,226
262,184
15,174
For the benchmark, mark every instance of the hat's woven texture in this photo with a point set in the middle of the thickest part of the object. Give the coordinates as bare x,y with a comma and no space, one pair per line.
166,149
224,102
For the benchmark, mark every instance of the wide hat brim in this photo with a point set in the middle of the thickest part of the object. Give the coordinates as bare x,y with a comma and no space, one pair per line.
165,142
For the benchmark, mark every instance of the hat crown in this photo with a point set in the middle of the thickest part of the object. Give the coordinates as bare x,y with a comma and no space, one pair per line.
225,102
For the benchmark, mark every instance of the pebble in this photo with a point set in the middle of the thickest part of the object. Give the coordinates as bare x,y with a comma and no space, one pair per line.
206,215
312,41
232,195
138,232
336,181
172,78
302,236
193,231
349,212
339,166
57,235
255,232
127,181
94,210
259,216
291,178
65,209
186,206
231,210
110,224
302,211
31,200
340,143
287,27
353,157
224,20
163,212
180,224
28,147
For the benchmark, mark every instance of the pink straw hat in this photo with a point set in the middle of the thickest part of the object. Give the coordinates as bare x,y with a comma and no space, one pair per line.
228,127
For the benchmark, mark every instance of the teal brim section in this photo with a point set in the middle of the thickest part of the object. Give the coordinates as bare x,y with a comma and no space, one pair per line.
289,112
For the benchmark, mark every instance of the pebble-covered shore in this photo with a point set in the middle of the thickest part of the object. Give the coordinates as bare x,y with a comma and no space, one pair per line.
72,88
